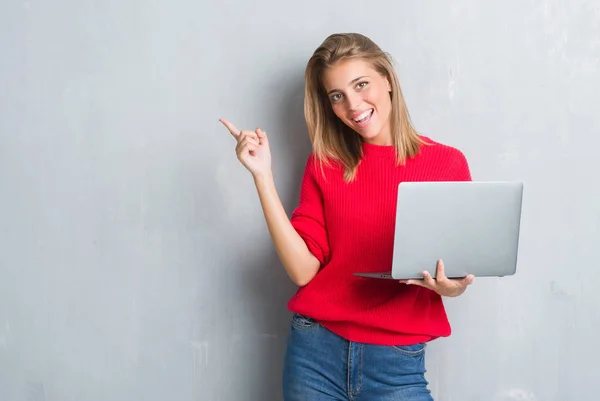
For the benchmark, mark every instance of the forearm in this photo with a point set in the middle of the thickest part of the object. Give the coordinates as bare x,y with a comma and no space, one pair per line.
300,264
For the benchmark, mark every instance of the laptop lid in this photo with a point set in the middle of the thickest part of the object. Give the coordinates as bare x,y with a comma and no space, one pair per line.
472,226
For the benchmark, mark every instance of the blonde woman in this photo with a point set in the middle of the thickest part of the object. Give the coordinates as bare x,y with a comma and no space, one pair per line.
354,338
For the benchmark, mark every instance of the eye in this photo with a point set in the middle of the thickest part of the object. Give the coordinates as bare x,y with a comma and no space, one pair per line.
335,97
362,84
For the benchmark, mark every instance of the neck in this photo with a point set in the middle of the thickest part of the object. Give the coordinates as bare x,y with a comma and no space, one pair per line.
384,138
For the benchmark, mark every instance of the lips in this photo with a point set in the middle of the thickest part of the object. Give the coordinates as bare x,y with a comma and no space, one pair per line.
363,118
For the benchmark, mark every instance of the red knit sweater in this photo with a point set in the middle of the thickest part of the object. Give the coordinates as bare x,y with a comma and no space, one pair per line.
349,227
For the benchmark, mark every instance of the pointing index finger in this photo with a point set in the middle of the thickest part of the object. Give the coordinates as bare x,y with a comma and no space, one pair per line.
232,129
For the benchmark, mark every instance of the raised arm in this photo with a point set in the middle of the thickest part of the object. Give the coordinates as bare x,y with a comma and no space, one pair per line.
253,152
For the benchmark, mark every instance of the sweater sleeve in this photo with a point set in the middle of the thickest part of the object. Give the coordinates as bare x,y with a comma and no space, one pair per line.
460,168
309,218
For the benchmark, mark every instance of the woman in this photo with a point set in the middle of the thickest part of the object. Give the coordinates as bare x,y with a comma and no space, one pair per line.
354,338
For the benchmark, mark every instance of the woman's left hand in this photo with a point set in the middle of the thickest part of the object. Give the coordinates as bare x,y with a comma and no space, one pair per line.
442,284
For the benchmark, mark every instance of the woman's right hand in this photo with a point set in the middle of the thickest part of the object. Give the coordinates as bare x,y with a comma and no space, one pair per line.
252,149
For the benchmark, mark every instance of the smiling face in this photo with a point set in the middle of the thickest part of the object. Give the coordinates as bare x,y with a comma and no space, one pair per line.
360,97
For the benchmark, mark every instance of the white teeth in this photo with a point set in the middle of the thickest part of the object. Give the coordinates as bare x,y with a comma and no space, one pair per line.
363,116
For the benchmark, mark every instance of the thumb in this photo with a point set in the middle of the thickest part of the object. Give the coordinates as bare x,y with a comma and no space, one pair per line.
468,280
262,136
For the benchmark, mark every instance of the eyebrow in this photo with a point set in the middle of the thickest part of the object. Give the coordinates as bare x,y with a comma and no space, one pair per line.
351,82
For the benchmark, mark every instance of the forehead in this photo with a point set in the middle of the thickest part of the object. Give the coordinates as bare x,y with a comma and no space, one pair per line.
343,72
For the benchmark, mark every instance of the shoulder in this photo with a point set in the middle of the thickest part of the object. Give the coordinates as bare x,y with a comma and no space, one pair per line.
448,161
322,168
442,151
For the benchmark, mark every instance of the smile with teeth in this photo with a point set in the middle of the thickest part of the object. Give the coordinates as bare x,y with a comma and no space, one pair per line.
363,117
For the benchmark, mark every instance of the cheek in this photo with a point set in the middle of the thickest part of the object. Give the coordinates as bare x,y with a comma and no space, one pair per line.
384,102
372,98
338,110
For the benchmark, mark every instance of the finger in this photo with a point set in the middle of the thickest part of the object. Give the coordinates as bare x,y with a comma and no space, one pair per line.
248,141
232,129
262,136
429,281
440,273
244,151
420,283
467,280
246,147
247,133
244,137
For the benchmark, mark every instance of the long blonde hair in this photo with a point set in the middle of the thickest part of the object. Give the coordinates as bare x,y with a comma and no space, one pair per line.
332,139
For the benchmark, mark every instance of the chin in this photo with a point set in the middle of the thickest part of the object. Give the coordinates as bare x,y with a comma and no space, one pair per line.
368,138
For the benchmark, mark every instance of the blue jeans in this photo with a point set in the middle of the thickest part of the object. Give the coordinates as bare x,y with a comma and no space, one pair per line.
322,366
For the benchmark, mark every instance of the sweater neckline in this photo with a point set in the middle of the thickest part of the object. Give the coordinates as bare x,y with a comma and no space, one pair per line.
372,149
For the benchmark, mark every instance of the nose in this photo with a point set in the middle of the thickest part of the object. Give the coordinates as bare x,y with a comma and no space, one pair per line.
354,101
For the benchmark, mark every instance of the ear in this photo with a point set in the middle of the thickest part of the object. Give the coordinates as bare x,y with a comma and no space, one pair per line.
389,87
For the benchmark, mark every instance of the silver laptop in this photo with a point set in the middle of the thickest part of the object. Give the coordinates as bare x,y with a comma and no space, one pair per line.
472,226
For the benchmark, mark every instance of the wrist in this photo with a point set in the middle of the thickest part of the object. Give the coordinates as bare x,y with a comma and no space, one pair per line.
263,178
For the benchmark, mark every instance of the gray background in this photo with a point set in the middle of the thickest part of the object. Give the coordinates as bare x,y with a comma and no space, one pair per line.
134,259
